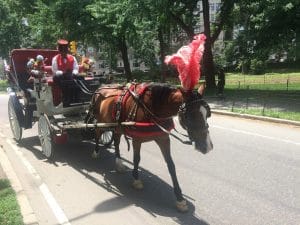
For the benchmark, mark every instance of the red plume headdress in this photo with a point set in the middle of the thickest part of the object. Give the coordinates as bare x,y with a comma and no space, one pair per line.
187,61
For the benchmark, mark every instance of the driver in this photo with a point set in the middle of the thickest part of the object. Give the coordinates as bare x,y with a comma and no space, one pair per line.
65,68
64,65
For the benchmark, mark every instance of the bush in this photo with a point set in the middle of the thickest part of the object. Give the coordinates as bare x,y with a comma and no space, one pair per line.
3,85
257,66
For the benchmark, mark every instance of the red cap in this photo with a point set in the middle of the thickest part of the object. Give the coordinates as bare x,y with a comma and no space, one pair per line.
62,42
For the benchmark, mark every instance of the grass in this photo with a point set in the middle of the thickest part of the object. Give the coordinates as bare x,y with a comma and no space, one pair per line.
283,81
274,113
3,85
273,94
10,213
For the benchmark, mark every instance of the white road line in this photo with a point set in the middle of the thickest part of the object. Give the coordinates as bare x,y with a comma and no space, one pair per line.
255,134
26,163
56,209
58,212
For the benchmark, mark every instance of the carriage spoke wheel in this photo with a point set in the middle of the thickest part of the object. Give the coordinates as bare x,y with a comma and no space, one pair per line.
14,122
45,136
107,138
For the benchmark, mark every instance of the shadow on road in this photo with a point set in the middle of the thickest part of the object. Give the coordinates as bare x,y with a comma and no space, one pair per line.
157,197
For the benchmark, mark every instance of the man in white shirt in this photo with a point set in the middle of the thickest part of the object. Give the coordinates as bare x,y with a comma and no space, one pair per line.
64,68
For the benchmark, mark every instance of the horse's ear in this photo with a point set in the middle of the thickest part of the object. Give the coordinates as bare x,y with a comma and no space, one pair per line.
201,89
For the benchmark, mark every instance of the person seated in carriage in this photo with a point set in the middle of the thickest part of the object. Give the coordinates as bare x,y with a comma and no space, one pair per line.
35,68
64,68
87,66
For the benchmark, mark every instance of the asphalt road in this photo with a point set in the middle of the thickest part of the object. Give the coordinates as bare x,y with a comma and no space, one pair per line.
251,177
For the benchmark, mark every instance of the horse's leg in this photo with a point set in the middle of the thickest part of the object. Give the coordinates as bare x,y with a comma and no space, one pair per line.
96,152
164,144
136,145
120,167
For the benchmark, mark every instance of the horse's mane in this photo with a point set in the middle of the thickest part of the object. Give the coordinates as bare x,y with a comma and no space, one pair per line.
160,93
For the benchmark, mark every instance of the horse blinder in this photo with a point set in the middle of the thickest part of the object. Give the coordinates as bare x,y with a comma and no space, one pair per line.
192,117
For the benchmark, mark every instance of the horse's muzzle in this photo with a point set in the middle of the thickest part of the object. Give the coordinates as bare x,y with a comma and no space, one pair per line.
204,145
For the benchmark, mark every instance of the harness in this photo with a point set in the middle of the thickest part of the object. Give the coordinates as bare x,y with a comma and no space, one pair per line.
152,126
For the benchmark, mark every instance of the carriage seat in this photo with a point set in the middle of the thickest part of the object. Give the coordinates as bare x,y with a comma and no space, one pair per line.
71,94
57,93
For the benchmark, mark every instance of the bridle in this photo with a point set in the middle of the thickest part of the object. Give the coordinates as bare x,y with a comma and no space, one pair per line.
182,111
188,107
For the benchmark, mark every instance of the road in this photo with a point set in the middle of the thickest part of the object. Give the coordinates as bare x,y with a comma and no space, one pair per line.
251,177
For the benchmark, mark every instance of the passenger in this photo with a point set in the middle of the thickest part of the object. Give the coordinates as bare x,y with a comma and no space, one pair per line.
87,66
35,68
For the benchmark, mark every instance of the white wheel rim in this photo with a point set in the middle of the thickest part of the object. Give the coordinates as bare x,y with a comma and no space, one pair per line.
45,136
14,123
106,137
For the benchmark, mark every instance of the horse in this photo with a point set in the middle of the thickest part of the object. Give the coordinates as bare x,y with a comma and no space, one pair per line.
152,105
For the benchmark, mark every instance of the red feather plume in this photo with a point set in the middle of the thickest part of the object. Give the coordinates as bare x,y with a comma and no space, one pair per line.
187,61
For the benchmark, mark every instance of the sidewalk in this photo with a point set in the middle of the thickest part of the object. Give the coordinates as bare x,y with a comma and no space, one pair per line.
7,172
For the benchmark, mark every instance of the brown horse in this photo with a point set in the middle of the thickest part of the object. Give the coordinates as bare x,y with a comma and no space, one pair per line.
152,106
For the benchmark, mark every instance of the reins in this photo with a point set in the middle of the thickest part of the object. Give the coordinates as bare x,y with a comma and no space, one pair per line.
83,87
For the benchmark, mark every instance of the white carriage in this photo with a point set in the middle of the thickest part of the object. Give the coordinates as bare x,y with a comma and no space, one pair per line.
36,98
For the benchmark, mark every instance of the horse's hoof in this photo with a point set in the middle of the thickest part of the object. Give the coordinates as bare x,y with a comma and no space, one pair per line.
120,167
182,206
95,155
138,184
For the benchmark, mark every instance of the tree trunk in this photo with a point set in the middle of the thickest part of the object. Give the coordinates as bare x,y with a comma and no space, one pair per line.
124,52
208,61
297,55
162,53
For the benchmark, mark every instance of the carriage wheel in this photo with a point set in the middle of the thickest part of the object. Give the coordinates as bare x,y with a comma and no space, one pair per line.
15,125
107,138
45,135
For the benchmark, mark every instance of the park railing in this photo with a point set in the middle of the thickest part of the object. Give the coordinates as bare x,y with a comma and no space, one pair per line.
266,95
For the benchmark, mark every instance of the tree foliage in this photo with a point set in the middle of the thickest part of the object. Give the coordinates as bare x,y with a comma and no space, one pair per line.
11,29
264,28
253,29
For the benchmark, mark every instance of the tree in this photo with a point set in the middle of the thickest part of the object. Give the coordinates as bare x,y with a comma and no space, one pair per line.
11,29
114,19
183,14
265,28
45,27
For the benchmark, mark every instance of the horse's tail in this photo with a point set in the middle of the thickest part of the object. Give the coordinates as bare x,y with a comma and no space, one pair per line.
92,110
93,103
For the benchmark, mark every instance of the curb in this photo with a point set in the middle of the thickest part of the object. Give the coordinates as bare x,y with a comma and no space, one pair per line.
253,117
29,217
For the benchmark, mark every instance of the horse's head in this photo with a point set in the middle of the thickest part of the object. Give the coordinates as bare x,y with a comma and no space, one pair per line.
193,115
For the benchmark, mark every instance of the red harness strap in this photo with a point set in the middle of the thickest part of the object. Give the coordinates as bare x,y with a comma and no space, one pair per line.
146,129
141,129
